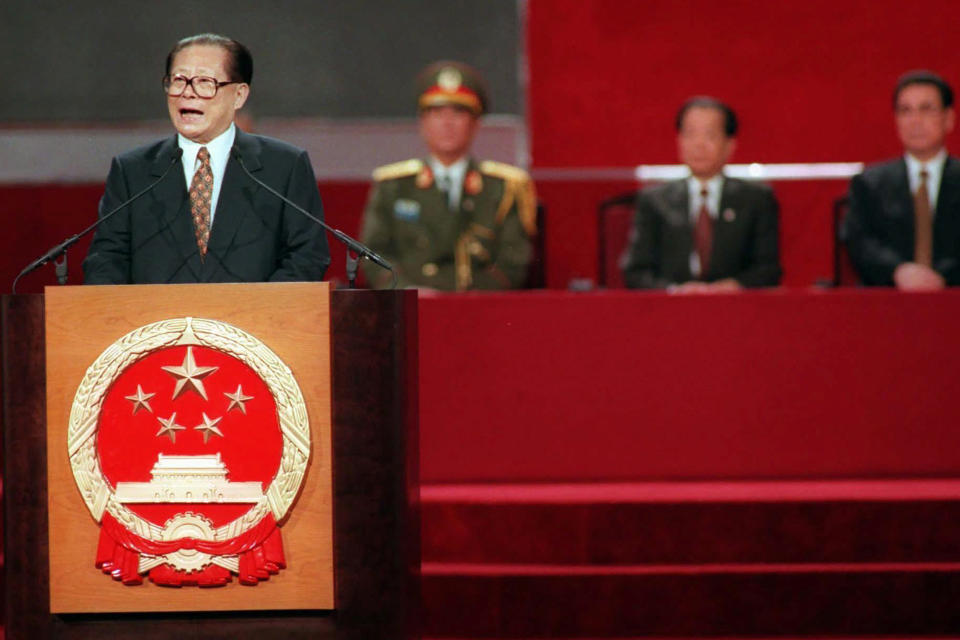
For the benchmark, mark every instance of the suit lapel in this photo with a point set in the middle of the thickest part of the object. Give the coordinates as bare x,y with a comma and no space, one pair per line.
949,193
677,232
945,220
729,218
899,190
235,201
678,201
177,221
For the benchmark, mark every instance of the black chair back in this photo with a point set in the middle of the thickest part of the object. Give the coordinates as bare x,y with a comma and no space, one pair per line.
844,275
614,219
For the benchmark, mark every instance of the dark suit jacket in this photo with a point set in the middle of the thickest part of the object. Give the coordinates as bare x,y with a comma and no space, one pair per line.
745,238
878,228
255,237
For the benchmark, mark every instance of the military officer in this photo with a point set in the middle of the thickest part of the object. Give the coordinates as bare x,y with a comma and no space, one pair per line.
449,222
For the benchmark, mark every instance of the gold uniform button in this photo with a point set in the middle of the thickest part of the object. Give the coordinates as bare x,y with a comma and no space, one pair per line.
430,269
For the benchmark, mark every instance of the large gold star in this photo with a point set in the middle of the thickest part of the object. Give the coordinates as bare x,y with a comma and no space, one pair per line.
238,399
189,375
141,399
209,427
170,427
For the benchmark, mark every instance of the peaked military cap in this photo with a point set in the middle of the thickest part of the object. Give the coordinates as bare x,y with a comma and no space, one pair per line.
452,83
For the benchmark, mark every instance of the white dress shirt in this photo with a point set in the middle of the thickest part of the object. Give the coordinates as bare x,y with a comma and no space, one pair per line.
219,149
934,167
456,173
714,188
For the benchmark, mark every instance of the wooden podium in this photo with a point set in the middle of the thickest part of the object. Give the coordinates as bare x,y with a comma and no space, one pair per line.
372,377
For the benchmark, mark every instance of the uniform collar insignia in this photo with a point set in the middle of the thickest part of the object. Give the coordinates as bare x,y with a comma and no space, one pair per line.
425,177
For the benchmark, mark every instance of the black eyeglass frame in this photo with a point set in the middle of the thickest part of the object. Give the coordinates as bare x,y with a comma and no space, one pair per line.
168,81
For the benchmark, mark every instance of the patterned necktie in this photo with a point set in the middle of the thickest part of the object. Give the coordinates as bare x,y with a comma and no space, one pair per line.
703,235
201,192
922,224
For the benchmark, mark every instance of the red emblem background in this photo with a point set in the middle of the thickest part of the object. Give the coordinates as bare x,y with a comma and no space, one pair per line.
128,445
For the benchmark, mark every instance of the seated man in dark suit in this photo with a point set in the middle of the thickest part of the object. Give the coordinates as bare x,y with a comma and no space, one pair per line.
206,220
903,226
706,233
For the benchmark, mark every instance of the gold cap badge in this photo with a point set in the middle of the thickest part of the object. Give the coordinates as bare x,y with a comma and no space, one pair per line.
449,79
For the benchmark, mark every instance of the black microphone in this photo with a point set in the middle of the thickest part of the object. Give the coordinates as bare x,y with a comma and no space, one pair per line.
353,245
61,249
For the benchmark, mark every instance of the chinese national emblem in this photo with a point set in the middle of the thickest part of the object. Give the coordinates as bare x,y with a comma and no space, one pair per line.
189,441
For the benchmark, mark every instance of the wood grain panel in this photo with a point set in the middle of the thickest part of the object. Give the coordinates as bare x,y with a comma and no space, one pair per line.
293,320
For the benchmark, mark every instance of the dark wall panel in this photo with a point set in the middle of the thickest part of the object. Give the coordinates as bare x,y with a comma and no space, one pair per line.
344,58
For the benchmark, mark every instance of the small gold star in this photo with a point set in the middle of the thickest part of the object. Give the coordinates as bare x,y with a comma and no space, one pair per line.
209,427
170,427
141,399
238,399
189,375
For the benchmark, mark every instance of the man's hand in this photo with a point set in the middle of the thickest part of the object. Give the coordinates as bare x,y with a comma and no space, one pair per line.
728,285
688,288
911,276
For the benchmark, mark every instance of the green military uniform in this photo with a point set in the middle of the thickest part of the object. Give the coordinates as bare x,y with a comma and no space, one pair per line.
484,244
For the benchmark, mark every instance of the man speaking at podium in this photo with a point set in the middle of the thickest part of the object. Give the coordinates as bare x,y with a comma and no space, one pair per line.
200,217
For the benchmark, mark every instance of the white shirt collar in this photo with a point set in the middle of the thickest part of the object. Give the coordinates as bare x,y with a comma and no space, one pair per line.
714,188
456,172
934,164
934,167
218,147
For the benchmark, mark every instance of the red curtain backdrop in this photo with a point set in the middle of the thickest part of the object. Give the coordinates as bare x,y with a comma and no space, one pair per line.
810,79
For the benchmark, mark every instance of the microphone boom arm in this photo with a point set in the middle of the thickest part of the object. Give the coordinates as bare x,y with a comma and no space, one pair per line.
352,244
61,249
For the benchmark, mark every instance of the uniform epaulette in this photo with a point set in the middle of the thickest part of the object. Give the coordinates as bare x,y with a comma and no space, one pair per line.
398,170
518,190
503,170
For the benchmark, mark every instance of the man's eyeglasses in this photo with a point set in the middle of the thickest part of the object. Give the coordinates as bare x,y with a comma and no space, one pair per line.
203,86
923,110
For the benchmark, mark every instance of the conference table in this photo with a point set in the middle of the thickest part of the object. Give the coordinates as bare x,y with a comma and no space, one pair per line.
553,386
